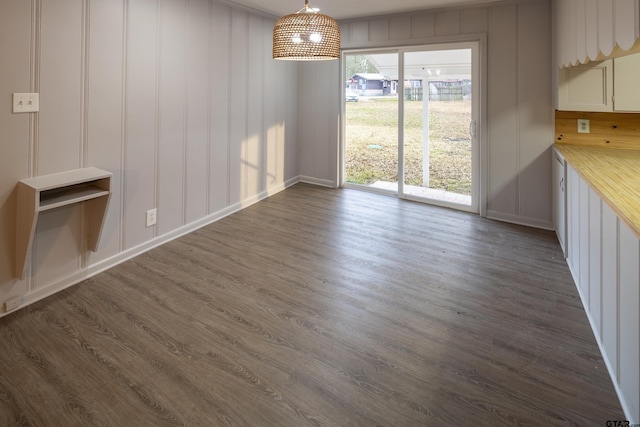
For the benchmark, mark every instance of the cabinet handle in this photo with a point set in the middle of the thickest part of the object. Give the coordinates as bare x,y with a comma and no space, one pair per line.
562,184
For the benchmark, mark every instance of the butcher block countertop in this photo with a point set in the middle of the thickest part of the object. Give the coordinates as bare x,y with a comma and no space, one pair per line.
614,174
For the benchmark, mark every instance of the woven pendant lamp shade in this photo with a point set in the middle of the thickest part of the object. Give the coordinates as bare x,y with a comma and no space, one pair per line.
306,35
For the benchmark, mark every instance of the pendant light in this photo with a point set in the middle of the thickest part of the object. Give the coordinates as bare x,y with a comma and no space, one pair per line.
306,36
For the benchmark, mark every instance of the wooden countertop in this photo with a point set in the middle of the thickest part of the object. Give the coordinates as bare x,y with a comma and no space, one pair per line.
613,174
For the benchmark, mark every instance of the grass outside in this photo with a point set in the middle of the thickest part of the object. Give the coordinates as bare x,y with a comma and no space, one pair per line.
372,143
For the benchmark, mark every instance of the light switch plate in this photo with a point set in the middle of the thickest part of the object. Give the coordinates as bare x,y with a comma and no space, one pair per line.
26,102
583,126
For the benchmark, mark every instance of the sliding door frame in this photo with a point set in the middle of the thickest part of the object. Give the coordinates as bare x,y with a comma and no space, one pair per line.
478,43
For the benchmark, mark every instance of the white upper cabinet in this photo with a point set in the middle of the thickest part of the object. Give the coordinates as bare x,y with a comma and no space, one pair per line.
626,72
592,29
586,87
610,85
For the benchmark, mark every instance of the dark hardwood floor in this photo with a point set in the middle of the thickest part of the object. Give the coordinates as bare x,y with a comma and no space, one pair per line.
316,307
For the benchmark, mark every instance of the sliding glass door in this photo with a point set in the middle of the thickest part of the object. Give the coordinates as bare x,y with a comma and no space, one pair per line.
371,122
410,123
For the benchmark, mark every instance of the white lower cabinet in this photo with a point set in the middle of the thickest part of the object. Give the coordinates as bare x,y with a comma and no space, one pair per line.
559,199
584,241
609,320
629,318
595,259
573,221
604,259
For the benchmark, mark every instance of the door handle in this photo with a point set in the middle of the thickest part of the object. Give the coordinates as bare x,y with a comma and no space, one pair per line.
472,129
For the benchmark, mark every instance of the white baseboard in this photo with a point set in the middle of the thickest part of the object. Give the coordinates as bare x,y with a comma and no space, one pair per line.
520,220
100,266
317,181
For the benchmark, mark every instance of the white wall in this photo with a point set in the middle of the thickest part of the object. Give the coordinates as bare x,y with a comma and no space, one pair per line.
180,99
518,111
319,122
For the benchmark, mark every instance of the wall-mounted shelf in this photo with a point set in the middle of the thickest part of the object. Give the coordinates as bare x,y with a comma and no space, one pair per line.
41,193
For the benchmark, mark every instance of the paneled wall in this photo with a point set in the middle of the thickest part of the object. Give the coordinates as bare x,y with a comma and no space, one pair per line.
587,30
319,122
180,99
517,102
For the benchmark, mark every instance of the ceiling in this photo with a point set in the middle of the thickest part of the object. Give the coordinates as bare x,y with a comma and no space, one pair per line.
348,9
453,64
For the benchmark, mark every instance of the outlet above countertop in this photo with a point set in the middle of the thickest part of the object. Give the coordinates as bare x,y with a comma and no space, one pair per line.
606,130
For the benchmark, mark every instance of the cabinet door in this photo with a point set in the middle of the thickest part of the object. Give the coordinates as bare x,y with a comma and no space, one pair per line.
559,202
629,318
627,83
586,87
583,275
595,260
573,222
609,269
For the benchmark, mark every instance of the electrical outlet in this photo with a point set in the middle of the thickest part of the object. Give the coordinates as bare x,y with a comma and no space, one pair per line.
26,102
151,217
583,126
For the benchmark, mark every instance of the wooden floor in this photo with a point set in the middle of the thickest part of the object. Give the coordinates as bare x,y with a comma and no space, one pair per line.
316,307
